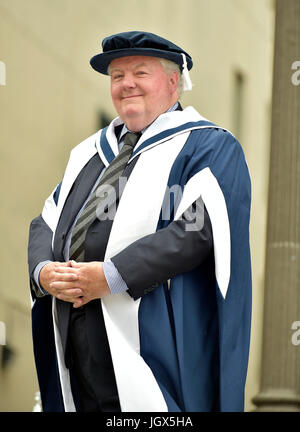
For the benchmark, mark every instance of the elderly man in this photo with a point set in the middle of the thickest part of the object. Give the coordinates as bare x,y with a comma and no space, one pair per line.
139,263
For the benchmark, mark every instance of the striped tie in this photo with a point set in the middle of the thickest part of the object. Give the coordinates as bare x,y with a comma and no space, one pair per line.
109,178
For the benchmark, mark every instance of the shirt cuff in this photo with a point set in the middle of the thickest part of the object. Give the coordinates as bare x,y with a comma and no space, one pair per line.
36,276
114,279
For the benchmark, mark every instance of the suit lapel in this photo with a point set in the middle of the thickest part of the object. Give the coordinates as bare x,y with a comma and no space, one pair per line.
75,200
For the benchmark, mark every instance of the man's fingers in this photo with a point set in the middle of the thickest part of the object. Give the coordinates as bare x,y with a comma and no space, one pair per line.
60,285
71,295
75,264
80,301
66,276
64,269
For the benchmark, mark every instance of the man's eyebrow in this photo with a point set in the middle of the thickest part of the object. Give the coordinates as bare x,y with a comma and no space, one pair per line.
113,69
140,65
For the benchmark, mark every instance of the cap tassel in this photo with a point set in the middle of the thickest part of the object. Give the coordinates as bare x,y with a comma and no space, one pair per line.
187,83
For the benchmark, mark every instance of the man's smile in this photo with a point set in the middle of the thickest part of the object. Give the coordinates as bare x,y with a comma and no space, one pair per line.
131,96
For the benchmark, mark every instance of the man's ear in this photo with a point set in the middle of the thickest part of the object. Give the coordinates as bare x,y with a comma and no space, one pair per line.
173,81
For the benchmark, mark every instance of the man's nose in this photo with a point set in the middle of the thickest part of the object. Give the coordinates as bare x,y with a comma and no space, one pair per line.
129,81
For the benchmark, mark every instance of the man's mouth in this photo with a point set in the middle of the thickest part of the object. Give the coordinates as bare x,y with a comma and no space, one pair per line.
131,96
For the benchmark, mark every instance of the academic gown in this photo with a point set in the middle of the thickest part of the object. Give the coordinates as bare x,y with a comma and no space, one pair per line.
180,342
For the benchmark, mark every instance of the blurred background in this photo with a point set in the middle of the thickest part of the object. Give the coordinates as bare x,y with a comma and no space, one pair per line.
51,99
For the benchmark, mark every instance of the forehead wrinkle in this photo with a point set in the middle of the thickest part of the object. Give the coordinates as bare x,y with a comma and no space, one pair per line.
140,65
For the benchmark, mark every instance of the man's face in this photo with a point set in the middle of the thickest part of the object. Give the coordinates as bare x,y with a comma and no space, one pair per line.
141,90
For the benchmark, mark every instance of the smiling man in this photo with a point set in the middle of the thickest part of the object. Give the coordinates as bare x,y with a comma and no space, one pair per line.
139,262
141,90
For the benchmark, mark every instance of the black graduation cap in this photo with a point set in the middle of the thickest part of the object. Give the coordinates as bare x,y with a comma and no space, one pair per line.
139,43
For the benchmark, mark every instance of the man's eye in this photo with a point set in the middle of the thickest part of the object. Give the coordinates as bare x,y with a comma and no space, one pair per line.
141,72
116,76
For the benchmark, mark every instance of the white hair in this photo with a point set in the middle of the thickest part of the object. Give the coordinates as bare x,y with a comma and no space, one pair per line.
169,67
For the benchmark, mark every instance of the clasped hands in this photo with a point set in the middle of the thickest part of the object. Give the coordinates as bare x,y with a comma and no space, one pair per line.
74,282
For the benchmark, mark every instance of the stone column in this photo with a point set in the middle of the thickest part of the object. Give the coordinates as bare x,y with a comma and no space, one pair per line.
280,369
